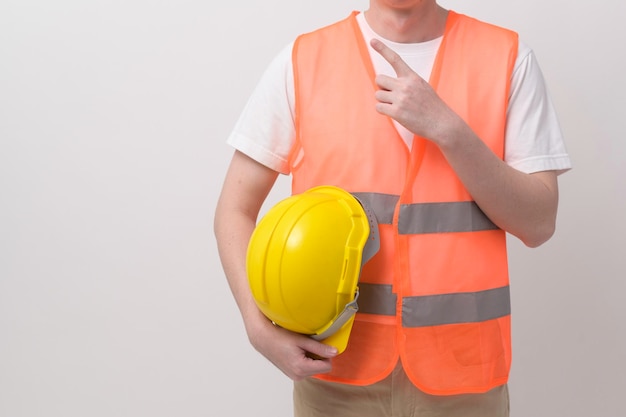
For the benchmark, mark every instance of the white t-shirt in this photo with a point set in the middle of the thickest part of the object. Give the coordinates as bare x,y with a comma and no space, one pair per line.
265,130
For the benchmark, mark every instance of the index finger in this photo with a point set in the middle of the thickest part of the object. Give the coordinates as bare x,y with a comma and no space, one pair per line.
398,65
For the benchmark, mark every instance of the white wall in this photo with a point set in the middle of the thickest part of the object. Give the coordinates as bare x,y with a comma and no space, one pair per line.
113,118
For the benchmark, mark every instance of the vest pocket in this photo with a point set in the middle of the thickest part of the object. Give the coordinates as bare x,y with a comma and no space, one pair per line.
472,344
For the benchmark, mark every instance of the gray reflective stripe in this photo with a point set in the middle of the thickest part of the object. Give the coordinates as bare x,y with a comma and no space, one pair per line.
463,216
456,308
433,310
419,218
383,205
377,299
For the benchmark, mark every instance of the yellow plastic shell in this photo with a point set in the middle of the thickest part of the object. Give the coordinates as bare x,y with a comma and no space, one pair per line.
304,261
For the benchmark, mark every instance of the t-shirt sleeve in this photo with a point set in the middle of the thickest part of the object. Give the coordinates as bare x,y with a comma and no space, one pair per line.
534,141
265,129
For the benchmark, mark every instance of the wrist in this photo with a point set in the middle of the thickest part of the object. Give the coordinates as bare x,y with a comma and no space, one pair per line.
451,132
256,324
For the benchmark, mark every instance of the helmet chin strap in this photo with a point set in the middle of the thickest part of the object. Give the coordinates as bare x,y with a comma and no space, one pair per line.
348,312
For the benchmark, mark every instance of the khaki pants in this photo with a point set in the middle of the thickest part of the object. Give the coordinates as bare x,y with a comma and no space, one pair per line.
395,396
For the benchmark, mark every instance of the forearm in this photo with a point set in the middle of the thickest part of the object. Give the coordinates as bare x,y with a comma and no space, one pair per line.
232,231
246,186
524,205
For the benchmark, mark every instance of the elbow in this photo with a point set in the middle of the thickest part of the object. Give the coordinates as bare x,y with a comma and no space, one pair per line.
216,223
220,222
539,235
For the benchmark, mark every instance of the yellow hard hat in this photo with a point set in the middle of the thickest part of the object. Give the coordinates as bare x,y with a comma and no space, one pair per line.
304,259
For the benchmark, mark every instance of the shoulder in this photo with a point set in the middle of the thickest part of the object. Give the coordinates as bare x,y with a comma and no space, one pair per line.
487,36
330,33
475,24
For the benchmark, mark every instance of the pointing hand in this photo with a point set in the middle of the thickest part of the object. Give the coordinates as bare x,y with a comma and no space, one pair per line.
409,99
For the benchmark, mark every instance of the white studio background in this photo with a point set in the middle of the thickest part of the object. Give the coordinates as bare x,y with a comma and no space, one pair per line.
113,121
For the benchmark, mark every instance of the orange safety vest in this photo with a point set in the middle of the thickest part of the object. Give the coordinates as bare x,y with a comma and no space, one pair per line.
437,293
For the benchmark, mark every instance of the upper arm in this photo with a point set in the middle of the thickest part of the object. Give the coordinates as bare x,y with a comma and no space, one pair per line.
245,187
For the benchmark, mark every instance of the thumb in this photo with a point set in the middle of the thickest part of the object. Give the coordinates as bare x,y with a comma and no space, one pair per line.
318,350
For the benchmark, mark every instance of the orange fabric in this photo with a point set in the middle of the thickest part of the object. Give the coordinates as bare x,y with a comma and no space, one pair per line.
342,140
